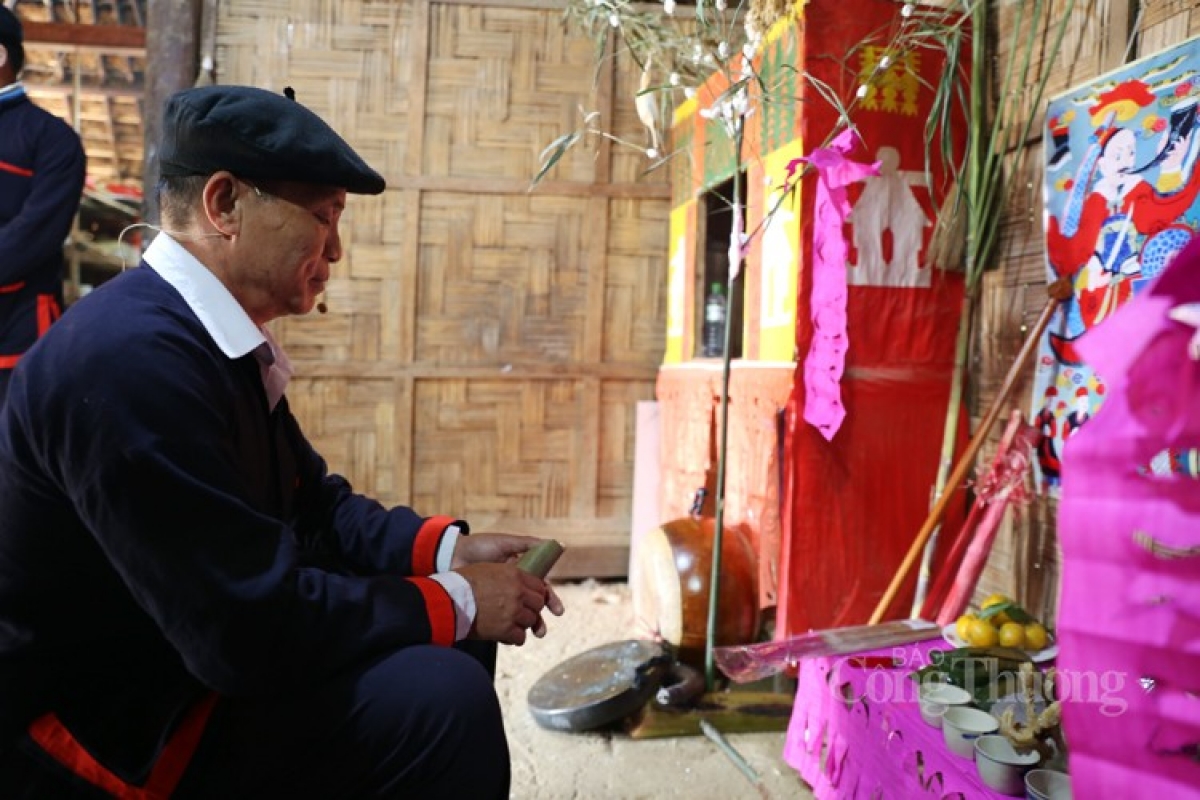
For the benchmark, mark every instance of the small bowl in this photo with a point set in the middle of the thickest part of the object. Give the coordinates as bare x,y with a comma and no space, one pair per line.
961,726
1001,766
1047,784
935,698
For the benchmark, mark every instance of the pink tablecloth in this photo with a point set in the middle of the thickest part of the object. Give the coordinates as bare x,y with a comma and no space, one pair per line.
858,732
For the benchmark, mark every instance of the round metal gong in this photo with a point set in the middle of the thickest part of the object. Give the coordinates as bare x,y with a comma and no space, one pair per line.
599,686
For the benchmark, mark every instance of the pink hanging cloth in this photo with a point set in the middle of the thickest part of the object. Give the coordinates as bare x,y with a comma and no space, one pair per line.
826,358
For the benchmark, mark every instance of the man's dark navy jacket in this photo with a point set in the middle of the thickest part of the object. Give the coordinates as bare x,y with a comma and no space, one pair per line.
163,533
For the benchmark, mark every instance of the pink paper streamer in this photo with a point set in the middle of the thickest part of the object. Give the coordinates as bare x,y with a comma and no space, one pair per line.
826,359
1128,614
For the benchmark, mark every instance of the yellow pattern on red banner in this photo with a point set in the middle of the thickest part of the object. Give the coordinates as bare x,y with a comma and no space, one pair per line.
892,89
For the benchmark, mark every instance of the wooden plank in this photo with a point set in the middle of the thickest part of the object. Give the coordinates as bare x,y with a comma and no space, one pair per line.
595,252
405,421
410,266
171,49
509,186
418,87
311,367
86,93
591,561
606,82
1122,14
111,39
585,467
729,712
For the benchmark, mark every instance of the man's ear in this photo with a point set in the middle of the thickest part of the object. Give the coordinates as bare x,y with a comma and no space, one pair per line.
220,197
3,55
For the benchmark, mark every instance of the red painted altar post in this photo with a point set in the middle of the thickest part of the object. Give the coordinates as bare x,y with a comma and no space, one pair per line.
853,504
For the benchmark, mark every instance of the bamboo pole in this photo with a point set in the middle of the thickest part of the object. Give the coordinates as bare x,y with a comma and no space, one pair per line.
714,582
1059,291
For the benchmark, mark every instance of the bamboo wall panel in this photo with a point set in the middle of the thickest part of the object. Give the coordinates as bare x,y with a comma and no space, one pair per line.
1100,33
485,346
635,313
350,62
354,425
502,279
503,83
616,428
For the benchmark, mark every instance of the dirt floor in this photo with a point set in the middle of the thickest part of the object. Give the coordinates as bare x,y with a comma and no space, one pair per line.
553,765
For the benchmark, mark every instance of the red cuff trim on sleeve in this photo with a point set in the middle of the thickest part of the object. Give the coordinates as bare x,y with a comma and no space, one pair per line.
440,608
424,556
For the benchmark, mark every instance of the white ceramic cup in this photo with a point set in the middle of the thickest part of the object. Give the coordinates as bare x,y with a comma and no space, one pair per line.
935,698
961,726
1001,766
1047,784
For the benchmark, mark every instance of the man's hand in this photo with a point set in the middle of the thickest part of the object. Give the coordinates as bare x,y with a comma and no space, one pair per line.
490,548
507,601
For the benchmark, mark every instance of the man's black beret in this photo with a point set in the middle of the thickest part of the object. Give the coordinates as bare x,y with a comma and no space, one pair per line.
10,27
254,133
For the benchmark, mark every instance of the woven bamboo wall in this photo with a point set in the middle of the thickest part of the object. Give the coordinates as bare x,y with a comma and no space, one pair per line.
485,345
1101,35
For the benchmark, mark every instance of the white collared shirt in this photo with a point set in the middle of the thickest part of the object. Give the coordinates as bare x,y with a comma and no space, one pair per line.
235,334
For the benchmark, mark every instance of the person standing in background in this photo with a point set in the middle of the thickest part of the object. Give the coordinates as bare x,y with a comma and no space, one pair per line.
42,171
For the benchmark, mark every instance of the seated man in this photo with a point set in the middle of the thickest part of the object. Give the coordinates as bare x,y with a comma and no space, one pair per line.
190,604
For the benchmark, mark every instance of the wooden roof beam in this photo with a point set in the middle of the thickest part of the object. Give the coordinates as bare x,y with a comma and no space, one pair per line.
109,39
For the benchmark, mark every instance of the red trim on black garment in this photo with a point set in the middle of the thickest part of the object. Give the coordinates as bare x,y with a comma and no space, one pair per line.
15,170
440,608
47,313
424,554
9,362
12,287
53,737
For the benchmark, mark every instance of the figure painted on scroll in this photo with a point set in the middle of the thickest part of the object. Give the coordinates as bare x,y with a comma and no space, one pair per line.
1119,228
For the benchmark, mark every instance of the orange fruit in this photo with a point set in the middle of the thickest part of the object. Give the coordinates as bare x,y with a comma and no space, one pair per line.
995,599
1036,637
1012,634
981,633
962,625
1001,618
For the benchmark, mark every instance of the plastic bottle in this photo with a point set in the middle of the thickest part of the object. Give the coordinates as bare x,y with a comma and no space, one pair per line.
714,322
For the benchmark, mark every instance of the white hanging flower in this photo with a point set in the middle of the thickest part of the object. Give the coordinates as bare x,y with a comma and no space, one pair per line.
740,102
723,50
862,91
614,20
651,153
720,4
669,7
907,11
885,62
673,79
689,92
708,113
